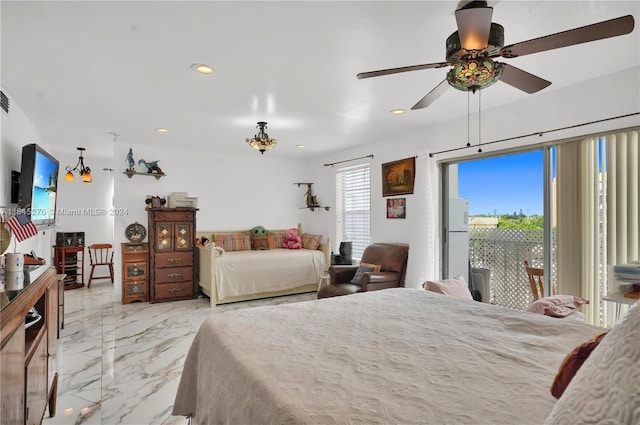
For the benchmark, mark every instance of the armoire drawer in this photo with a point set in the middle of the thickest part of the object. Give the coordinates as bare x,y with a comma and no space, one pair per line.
173,259
182,290
175,274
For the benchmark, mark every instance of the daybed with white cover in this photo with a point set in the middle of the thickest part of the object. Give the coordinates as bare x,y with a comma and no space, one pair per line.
244,274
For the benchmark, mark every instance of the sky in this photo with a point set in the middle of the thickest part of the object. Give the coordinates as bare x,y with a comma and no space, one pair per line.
503,185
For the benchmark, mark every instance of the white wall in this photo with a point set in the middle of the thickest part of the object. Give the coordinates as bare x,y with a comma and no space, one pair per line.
235,192
17,131
74,198
80,205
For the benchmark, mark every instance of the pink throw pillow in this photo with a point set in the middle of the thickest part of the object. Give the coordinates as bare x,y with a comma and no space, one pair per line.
557,305
455,287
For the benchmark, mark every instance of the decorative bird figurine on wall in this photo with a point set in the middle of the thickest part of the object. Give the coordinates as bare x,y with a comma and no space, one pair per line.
151,166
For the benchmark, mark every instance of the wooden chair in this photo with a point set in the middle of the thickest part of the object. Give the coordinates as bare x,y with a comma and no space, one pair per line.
536,280
100,254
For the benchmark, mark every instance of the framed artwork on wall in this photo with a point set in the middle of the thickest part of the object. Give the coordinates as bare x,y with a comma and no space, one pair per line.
398,177
397,208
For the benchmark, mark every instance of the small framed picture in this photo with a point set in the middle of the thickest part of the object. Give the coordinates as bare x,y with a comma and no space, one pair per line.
397,208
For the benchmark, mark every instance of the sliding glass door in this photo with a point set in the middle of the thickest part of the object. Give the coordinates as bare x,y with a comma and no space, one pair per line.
572,209
505,201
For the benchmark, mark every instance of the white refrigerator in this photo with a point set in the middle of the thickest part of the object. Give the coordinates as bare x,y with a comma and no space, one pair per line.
458,238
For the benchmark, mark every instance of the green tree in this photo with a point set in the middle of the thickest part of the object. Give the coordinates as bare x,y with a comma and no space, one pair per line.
517,222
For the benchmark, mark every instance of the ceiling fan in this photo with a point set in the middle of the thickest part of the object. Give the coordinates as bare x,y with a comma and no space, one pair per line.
471,51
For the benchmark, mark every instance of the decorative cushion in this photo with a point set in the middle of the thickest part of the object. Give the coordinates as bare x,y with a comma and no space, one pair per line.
276,239
311,241
455,287
572,363
357,278
239,241
605,389
376,267
259,243
556,305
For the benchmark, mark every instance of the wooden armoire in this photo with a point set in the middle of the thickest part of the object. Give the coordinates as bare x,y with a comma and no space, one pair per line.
172,254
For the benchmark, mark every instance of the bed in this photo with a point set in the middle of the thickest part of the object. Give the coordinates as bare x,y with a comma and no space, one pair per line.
395,356
246,274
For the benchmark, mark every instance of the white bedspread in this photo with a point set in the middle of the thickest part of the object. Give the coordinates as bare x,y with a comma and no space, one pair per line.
397,356
251,272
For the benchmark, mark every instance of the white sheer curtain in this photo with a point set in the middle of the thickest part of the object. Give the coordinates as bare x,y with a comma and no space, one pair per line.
424,242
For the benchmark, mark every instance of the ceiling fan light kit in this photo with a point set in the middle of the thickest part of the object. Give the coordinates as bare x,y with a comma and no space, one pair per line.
474,74
456,52
474,24
471,52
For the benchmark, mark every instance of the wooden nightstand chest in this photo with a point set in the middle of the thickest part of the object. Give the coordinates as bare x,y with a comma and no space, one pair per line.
135,272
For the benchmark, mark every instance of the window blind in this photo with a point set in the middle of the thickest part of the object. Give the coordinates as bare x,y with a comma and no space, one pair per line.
598,216
353,208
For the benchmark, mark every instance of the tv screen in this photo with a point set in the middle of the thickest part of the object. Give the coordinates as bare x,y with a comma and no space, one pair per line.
38,185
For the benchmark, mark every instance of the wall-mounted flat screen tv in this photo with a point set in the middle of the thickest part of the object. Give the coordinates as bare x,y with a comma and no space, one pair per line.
38,185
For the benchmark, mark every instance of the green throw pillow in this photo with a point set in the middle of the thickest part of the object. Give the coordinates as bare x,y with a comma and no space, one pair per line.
357,279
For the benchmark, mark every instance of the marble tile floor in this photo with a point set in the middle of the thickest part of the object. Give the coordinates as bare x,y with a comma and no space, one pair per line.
121,364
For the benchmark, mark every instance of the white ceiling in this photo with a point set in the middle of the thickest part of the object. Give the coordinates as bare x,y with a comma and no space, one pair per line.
80,70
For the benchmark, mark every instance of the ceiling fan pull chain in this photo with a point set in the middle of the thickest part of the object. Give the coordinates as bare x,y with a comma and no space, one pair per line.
479,119
468,119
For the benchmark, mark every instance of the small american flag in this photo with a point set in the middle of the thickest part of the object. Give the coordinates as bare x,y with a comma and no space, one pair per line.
22,226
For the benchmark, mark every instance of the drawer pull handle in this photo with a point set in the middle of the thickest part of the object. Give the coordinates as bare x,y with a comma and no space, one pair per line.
174,260
174,290
175,275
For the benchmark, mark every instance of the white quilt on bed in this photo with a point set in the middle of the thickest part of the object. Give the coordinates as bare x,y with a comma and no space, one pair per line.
251,272
396,356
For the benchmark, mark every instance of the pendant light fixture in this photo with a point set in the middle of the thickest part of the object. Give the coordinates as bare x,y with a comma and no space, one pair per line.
261,141
84,171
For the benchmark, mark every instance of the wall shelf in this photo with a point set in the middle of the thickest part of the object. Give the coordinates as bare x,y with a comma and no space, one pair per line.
312,208
132,173
312,202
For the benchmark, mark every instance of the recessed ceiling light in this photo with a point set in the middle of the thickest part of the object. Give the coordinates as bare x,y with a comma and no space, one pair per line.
300,146
202,68
397,111
162,130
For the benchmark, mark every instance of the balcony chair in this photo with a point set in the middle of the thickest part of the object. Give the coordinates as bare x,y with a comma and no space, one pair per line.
392,259
100,254
536,281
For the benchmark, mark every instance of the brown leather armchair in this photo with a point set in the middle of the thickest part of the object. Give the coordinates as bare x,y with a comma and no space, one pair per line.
392,257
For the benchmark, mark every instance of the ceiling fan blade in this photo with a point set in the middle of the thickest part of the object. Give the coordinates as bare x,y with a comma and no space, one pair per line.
401,69
593,32
432,96
474,25
522,80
